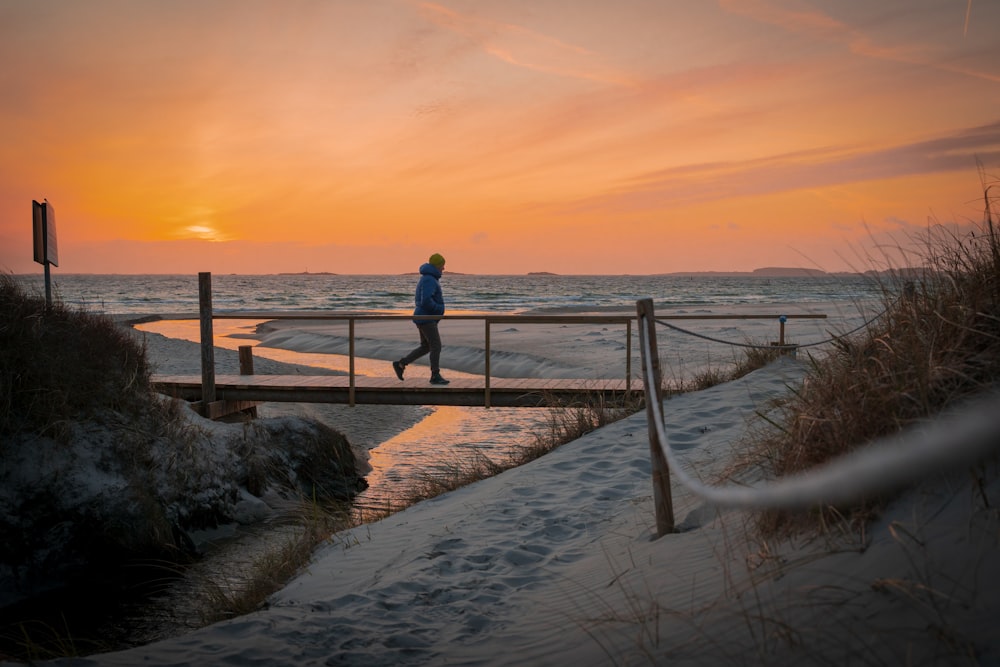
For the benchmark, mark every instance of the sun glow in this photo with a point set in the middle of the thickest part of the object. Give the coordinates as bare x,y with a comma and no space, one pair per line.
202,232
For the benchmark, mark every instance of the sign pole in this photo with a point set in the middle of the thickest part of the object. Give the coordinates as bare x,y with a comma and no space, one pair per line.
48,286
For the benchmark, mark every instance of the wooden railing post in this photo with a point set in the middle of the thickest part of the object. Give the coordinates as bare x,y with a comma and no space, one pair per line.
207,338
662,499
628,356
350,349
486,368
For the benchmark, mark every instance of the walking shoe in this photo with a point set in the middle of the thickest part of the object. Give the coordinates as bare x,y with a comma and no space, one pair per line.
398,367
437,379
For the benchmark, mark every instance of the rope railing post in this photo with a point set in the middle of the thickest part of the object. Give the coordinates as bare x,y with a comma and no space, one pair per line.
207,338
662,499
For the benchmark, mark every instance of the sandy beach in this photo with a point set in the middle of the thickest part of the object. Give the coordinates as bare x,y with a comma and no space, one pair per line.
556,562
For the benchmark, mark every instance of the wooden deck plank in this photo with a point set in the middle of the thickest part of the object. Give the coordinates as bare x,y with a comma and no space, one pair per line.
523,392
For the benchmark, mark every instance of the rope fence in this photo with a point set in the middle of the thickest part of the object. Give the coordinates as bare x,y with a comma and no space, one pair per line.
770,347
956,439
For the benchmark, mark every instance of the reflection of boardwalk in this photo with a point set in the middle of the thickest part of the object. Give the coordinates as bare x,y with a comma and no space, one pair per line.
501,392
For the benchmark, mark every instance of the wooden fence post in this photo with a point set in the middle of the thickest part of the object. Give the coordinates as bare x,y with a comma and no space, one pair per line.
207,338
662,499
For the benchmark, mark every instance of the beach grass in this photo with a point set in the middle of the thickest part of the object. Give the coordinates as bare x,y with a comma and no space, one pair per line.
283,554
936,343
755,355
57,363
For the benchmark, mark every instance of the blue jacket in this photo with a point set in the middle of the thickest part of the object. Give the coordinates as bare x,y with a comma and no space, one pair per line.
428,297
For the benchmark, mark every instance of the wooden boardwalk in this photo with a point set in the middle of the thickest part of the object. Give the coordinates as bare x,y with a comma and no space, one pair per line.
225,394
502,392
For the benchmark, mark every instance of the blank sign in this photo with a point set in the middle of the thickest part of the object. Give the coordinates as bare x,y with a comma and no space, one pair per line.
43,218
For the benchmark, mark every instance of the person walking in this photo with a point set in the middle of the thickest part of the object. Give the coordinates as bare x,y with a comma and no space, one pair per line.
429,300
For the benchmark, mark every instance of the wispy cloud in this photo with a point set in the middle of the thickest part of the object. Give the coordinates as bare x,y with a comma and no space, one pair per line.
820,26
807,169
526,48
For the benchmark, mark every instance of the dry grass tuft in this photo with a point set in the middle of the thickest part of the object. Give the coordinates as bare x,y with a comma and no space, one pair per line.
275,564
750,360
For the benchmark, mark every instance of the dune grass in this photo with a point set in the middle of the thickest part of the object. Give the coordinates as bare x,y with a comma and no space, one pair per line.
751,358
937,343
57,364
280,556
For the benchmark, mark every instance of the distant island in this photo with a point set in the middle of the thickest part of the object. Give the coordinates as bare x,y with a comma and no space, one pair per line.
308,273
765,272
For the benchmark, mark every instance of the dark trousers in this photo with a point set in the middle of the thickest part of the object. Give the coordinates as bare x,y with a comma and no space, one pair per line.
430,341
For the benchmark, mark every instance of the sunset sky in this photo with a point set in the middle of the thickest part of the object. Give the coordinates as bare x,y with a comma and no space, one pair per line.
572,136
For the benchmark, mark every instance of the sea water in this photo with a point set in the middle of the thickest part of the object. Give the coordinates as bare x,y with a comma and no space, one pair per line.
421,443
157,294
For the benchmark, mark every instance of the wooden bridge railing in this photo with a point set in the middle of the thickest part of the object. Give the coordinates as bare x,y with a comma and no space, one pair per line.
207,315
